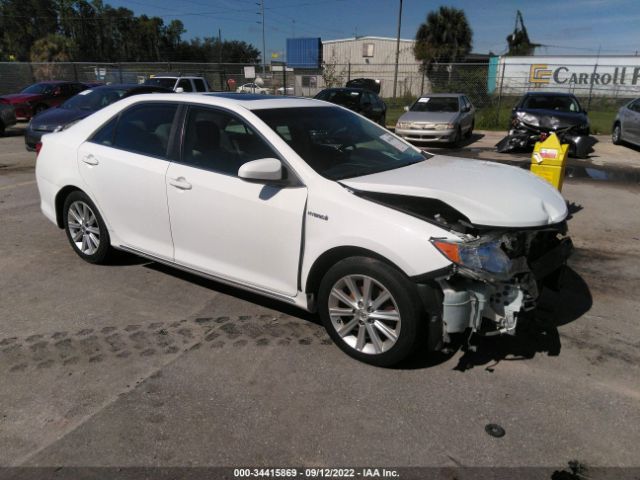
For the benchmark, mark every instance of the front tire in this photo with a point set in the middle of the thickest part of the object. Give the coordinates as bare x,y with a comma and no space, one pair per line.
455,141
85,229
371,311
616,135
470,131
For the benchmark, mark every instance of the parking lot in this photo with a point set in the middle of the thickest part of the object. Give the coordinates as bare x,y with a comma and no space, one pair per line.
136,364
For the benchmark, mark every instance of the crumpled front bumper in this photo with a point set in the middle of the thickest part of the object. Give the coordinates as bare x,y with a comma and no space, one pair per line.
490,305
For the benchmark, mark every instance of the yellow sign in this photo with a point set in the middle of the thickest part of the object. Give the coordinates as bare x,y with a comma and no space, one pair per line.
539,73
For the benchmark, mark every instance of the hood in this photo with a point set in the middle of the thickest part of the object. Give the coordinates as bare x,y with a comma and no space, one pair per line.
54,117
19,97
551,119
429,117
487,193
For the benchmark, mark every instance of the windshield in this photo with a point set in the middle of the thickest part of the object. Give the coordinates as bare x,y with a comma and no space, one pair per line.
40,88
436,104
559,103
337,143
341,97
93,99
161,82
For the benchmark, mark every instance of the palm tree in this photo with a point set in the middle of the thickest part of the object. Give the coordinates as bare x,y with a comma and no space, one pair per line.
445,37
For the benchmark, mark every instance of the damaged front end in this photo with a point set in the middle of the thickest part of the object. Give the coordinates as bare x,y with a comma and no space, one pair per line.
496,273
498,276
527,129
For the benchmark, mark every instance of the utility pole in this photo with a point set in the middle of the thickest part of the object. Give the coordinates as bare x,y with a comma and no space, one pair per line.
264,49
220,46
395,74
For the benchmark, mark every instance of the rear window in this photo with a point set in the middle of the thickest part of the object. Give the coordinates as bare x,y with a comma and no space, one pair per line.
341,97
145,129
161,82
200,86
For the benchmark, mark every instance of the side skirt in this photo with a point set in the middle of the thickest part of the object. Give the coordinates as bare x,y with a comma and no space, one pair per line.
232,283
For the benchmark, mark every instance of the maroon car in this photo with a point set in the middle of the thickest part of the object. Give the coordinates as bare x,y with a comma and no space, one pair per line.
40,96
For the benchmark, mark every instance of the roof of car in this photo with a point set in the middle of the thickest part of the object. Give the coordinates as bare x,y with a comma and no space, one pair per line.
246,100
348,89
544,94
435,95
129,86
174,75
53,82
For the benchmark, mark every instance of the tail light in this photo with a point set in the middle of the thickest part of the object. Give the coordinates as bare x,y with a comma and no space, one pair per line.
38,148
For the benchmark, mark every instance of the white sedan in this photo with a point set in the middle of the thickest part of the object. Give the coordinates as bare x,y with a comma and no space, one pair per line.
252,88
311,204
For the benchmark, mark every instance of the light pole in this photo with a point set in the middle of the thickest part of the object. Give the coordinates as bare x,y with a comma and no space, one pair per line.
395,74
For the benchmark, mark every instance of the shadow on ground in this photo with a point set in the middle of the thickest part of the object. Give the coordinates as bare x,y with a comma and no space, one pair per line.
266,302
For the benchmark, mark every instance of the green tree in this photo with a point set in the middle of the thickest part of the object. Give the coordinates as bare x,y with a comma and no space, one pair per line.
445,37
52,48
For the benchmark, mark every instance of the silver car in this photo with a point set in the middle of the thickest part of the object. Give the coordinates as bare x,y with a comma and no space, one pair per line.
444,117
626,126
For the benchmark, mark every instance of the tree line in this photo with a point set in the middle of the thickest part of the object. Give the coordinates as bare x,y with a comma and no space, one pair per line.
81,30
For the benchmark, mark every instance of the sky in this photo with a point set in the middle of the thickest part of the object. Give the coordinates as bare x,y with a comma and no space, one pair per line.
566,27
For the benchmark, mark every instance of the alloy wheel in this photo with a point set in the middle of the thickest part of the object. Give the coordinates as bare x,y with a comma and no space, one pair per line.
83,227
364,314
616,134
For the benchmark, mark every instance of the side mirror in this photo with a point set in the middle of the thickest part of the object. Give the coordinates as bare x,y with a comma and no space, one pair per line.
179,90
584,111
263,170
57,92
406,108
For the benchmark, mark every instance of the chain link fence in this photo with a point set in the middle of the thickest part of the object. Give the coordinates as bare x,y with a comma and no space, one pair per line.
493,87
14,76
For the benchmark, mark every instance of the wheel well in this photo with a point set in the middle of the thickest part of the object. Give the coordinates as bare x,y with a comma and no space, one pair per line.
329,258
60,198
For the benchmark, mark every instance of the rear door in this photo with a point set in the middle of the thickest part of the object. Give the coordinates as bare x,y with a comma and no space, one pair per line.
124,165
245,232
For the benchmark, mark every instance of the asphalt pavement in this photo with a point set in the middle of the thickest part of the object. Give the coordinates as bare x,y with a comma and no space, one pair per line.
136,364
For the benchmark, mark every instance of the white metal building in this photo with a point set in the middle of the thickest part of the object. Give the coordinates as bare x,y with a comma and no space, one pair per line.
366,57
374,57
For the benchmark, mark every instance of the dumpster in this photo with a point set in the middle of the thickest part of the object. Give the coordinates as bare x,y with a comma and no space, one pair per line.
548,160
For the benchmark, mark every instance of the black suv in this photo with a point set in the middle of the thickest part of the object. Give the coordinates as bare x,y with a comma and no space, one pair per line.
359,100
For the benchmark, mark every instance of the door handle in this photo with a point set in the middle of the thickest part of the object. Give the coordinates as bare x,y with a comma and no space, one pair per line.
90,160
180,183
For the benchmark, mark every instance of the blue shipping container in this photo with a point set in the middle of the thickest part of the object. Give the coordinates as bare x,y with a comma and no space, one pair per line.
304,52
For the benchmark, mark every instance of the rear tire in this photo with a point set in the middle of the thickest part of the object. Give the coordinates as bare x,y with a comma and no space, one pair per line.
371,311
616,134
470,131
38,109
85,229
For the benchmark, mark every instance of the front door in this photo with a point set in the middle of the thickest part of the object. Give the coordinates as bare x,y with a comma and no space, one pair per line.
246,232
